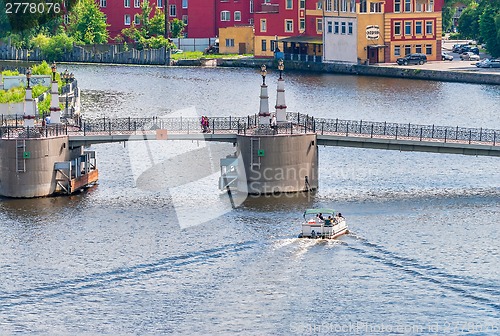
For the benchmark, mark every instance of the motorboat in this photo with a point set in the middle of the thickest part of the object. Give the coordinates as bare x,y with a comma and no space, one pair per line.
323,223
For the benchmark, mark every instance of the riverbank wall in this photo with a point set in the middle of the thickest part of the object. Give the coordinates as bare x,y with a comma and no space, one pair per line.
372,70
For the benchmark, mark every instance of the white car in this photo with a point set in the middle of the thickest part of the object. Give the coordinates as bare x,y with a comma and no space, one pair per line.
446,57
469,56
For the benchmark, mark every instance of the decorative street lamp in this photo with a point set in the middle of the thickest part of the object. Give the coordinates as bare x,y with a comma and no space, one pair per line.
263,73
28,77
54,68
281,67
67,76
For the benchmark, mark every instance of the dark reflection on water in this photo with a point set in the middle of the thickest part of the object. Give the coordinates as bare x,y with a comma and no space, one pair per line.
423,248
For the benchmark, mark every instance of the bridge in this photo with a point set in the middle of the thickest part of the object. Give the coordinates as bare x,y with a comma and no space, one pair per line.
330,132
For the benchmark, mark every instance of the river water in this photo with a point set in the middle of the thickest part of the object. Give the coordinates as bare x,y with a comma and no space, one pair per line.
422,256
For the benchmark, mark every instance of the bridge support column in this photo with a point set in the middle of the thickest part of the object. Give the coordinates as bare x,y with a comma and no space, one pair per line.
276,164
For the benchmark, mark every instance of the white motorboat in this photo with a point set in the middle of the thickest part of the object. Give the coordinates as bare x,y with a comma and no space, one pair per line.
323,223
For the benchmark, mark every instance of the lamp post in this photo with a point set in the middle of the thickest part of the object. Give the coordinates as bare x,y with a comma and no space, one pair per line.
66,76
281,67
54,68
28,77
263,73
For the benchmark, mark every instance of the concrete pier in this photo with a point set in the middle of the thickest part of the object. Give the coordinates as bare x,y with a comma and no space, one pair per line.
277,163
27,165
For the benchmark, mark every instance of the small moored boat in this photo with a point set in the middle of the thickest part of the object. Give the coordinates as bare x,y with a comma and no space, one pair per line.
323,223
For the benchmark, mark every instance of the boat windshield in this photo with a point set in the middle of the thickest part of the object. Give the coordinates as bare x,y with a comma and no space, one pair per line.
324,211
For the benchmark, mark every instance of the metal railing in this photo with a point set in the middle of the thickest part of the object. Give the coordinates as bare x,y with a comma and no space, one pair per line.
296,123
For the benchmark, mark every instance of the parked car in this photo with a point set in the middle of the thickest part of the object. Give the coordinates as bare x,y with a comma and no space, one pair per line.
494,63
446,57
412,59
458,47
468,48
469,56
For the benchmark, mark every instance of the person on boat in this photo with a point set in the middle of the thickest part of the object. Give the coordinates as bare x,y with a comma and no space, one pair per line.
328,221
340,215
320,216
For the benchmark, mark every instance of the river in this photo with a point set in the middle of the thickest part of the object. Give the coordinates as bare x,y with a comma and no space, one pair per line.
422,256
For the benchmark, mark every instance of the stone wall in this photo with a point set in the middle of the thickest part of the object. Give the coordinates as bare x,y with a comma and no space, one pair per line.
379,71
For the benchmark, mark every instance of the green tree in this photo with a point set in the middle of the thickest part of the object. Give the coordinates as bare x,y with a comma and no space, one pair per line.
489,30
177,27
157,23
53,48
87,24
468,24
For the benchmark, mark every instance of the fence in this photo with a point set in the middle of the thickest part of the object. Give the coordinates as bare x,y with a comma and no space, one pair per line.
296,123
114,54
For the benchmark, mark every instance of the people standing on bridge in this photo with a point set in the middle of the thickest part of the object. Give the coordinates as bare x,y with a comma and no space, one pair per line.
204,124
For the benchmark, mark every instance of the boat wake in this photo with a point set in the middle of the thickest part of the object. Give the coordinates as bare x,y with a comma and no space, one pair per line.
482,292
95,280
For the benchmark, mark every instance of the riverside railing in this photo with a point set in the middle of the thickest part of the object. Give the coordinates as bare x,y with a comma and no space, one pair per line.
296,123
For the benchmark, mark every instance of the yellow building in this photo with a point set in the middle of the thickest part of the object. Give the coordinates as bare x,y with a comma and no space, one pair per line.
236,40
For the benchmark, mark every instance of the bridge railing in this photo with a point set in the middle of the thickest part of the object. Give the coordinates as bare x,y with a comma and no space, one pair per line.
400,131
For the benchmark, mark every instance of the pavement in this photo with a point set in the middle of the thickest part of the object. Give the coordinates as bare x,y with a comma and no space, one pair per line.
455,65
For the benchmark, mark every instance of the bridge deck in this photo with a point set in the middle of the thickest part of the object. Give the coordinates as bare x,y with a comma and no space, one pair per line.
331,132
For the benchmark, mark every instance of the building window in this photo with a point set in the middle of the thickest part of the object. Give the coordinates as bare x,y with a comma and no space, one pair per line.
397,28
137,3
66,19
263,25
329,25
349,28
264,45
302,4
126,3
419,6
418,28
418,48
237,16
137,19
336,24
407,27
362,6
302,24
289,4
159,3
343,28
185,19
319,25
407,49
335,5
397,50
375,7
328,5
397,6
274,45
229,42
428,49
289,26
102,3
127,19
251,6
353,6
184,3
250,21
173,10
430,6
429,28
343,6
407,5
319,5
225,16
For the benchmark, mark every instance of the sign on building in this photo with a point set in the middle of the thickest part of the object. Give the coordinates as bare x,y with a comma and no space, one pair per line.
372,32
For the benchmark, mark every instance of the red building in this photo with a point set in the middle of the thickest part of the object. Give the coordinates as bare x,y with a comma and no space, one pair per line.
298,22
203,18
